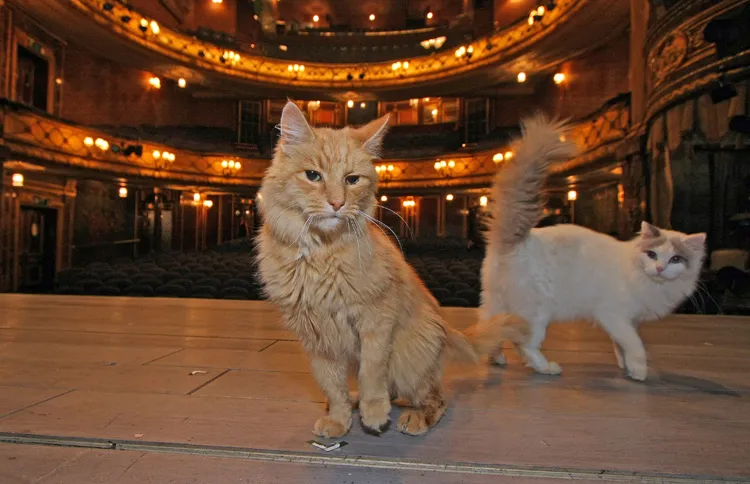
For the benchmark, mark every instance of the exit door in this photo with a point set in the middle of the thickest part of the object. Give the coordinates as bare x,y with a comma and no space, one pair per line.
37,249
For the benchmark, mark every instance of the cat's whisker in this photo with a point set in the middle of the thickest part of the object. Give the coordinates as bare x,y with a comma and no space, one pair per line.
361,231
381,224
303,231
356,238
411,234
702,287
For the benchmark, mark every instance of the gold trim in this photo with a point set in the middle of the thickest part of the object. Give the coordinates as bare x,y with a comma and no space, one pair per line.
183,48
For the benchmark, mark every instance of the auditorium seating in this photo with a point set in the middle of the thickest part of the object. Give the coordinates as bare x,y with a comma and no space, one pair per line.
448,270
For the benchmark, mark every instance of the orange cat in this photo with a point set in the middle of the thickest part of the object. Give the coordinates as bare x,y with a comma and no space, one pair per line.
345,289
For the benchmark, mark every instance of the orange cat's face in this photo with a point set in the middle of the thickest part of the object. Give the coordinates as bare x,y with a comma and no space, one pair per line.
321,178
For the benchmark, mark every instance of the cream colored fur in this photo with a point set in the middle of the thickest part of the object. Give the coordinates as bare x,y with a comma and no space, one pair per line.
567,272
345,289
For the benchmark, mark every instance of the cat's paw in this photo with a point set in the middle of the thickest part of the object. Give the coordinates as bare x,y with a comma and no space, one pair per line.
375,415
412,422
638,371
329,428
552,368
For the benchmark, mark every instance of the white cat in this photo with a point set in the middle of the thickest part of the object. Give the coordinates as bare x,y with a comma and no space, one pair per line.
567,272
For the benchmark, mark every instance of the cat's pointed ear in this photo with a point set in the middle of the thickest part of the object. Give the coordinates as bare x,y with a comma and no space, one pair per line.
371,135
648,230
695,242
294,127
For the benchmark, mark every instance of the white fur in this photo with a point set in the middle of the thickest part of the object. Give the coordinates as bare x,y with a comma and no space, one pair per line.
567,272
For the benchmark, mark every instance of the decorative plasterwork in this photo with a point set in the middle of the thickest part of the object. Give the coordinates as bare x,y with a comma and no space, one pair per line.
680,61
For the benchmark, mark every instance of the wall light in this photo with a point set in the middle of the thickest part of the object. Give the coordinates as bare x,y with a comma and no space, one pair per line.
102,144
449,197
182,83
155,82
217,1
17,180
208,203
143,25
483,201
383,198
362,105
123,192
196,197
350,103
508,155
315,18
572,195
498,157
521,77
156,154
559,78
372,17
154,27
88,141
429,15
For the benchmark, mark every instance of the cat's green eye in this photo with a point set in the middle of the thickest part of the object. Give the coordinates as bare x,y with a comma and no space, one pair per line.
352,179
313,175
676,259
651,254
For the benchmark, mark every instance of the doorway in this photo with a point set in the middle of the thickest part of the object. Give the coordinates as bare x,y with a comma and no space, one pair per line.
38,247
32,77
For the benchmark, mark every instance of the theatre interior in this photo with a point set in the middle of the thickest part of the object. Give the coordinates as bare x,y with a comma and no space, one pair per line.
136,341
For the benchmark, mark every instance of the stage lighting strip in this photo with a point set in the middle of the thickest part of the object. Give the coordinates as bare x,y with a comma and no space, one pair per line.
485,51
386,463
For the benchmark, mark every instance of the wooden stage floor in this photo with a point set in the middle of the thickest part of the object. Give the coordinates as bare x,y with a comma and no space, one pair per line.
98,389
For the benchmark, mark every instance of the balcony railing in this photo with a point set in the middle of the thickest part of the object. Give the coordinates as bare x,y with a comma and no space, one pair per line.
35,137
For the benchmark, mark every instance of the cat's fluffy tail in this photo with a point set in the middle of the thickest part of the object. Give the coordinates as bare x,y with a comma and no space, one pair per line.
517,194
483,337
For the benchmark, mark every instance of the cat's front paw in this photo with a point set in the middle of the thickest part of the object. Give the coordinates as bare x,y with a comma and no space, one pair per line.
330,428
638,371
552,368
375,415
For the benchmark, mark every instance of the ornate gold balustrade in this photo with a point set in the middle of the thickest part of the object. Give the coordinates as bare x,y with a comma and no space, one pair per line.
180,47
598,136
40,139
37,138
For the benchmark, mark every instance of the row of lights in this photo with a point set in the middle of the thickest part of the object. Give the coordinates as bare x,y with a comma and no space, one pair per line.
100,143
295,68
145,25
537,14
197,201
155,82
559,77
500,157
230,56
464,51
435,43
350,104
164,155
400,65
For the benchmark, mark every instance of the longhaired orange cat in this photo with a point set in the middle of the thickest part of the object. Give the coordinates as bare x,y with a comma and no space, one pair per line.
345,289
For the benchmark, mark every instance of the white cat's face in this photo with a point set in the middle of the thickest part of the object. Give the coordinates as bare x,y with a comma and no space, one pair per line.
664,262
667,255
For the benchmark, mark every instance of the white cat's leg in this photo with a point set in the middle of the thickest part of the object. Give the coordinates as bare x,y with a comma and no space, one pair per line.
633,352
618,355
533,356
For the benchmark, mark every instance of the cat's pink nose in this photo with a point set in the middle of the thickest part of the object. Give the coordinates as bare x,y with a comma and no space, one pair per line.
659,269
336,205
